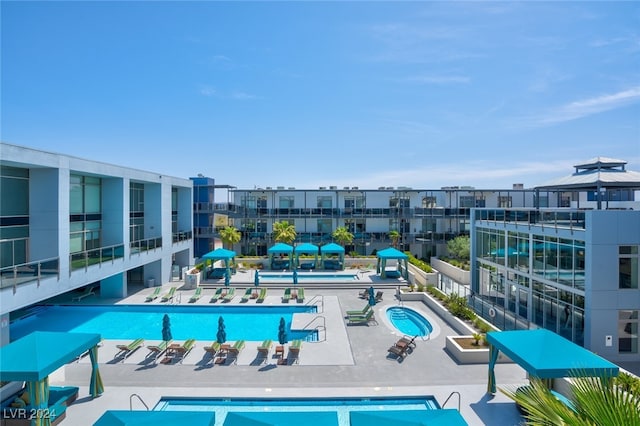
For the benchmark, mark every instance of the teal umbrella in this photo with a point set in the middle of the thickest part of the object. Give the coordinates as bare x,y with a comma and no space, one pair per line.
295,277
166,328
221,336
282,332
227,279
372,296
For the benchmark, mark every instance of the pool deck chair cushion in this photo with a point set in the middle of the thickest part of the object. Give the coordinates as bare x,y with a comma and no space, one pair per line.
400,353
359,319
287,294
125,350
361,312
213,349
247,295
156,350
216,295
300,295
230,294
379,296
88,292
196,296
262,295
153,296
264,348
294,351
235,350
169,295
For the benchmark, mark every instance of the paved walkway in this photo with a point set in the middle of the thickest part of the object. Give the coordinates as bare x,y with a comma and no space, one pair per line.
349,360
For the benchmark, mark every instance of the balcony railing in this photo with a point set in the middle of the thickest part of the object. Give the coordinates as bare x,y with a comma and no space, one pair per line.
139,246
13,276
182,236
84,259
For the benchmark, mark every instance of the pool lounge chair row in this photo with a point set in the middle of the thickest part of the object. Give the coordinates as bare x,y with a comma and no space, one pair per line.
365,295
124,350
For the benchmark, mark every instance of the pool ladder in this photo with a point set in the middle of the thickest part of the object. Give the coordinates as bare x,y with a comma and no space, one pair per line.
139,398
317,328
449,397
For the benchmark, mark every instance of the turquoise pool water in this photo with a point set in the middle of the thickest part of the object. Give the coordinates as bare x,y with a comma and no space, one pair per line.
307,406
409,322
133,321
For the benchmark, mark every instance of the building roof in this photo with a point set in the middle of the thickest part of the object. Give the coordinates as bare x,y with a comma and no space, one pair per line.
599,172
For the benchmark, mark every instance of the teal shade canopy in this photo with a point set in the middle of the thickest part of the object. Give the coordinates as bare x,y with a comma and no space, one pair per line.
307,248
220,254
156,418
444,417
280,248
332,248
391,253
282,418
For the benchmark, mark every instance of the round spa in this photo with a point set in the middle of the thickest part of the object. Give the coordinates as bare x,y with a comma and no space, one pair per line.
408,321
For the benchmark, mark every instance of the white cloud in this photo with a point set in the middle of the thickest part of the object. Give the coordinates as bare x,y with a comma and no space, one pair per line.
439,79
208,91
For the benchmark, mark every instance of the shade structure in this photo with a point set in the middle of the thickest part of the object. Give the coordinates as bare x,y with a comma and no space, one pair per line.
156,418
306,248
256,278
33,357
282,418
546,355
227,279
295,277
442,417
280,249
389,254
332,249
282,332
225,255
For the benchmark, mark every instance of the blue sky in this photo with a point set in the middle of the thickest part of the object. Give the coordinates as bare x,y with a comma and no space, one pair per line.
308,94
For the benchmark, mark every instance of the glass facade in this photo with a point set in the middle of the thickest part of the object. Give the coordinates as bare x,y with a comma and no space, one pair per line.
136,211
14,216
628,331
628,267
85,213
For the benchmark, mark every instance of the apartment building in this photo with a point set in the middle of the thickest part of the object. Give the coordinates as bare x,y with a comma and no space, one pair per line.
67,222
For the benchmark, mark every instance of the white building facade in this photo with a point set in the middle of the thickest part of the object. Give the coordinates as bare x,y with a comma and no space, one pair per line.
67,222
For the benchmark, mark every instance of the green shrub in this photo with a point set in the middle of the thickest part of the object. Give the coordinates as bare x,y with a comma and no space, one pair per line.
457,305
421,264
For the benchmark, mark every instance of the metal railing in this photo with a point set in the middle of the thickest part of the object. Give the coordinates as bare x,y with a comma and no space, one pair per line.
139,398
317,328
318,298
84,259
147,244
449,397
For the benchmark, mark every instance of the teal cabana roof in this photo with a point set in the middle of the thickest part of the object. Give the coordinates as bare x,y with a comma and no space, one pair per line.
33,357
280,248
306,248
281,418
547,355
332,248
443,417
391,253
155,418
220,254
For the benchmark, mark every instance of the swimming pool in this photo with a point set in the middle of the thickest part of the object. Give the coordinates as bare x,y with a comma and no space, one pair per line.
313,411
408,321
308,276
145,321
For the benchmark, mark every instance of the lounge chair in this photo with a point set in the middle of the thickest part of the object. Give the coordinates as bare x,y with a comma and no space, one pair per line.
168,295
156,350
264,348
287,294
407,342
235,350
379,296
125,350
231,293
153,296
300,295
364,294
359,319
86,293
196,296
213,349
262,295
400,353
183,350
217,295
247,295
294,351
361,312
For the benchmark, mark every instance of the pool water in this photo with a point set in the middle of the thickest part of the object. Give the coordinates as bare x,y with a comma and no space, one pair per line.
341,406
145,321
409,322
310,276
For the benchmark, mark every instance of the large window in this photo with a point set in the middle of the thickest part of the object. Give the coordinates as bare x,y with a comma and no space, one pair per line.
285,202
85,201
628,267
324,202
628,331
136,211
324,226
14,215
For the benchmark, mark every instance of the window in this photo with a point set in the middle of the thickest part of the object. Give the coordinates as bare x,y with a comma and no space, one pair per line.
628,331
429,202
286,202
324,202
324,226
504,201
628,267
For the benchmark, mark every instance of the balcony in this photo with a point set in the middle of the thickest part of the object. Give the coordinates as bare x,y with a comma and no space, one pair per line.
13,276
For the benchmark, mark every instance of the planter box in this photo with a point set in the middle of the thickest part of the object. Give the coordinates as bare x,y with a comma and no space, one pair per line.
191,280
471,356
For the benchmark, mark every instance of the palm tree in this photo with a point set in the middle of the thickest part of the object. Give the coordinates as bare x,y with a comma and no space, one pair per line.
395,236
230,236
284,232
342,236
596,401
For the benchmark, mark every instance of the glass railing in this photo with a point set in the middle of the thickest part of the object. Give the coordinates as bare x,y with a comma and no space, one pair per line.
84,259
24,273
139,246
182,236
